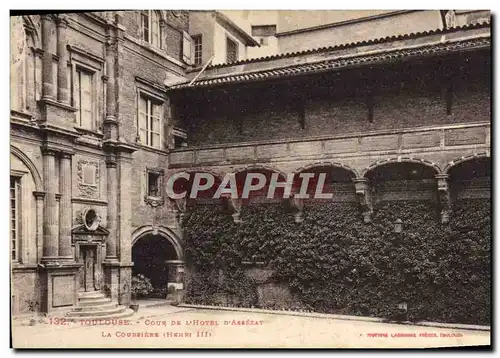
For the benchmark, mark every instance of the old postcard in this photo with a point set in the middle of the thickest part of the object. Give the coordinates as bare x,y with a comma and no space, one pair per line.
250,179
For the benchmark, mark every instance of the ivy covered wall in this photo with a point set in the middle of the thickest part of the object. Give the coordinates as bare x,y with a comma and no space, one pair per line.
333,262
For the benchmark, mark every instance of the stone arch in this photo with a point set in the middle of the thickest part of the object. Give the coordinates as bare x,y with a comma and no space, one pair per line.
383,162
258,167
31,30
29,164
197,170
463,159
163,14
163,232
327,164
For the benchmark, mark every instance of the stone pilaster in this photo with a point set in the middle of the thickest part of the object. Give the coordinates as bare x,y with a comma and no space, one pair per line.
47,41
444,196
110,122
180,207
112,191
124,161
298,204
39,196
51,213
364,194
62,66
111,266
175,273
236,206
65,209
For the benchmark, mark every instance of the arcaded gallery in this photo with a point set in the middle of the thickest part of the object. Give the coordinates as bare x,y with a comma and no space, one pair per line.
110,105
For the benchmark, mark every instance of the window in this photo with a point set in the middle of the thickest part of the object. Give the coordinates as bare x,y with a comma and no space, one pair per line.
150,113
180,138
150,22
83,99
197,50
231,50
15,186
154,184
263,32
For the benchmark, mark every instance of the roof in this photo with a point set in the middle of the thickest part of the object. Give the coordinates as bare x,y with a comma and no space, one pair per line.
345,22
340,58
250,41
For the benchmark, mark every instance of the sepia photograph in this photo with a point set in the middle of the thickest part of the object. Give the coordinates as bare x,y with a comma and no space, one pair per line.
279,179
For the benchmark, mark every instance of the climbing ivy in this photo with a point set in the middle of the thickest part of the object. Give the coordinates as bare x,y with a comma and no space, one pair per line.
334,262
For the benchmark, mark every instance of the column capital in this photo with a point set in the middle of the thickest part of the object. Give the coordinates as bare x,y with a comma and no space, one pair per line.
442,181
110,163
66,155
61,21
39,195
49,151
442,176
361,180
47,17
58,197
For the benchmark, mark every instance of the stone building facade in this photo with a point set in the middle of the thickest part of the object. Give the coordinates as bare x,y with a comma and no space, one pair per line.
90,121
95,134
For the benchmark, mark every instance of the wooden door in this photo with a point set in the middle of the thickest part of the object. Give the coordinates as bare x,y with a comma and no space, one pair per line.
87,274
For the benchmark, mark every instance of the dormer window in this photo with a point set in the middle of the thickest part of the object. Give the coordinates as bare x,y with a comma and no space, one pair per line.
150,23
180,138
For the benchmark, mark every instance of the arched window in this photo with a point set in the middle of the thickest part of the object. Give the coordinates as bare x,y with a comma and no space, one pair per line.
150,24
25,65
18,62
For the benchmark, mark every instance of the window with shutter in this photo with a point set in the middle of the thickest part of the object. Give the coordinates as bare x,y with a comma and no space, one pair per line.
83,99
150,27
38,78
145,25
149,121
155,29
187,48
143,113
197,50
231,50
15,189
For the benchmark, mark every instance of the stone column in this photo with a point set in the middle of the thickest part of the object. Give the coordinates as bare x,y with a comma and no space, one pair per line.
175,272
47,40
125,205
65,218
236,206
110,84
111,264
112,189
39,195
364,194
51,213
62,66
124,235
298,204
444,196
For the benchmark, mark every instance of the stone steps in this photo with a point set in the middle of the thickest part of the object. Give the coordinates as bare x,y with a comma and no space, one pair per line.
97,311
125,314
86,308
94,302
96,306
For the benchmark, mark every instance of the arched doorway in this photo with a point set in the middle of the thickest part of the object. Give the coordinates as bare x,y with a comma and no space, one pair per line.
157,256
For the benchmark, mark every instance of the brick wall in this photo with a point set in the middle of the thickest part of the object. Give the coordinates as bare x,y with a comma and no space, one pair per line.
339,105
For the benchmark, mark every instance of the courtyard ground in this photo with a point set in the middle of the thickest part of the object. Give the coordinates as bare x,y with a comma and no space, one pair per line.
177,327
